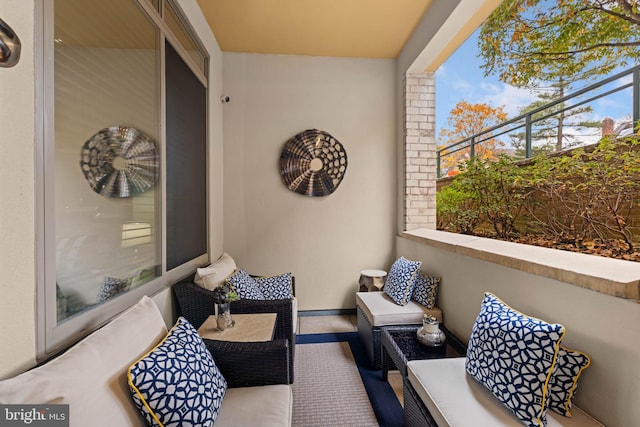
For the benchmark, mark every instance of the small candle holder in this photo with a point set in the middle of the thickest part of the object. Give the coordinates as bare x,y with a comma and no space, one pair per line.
430,334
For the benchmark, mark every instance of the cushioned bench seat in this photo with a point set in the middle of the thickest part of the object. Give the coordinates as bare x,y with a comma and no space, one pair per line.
271,406
439,392
375,310
91,377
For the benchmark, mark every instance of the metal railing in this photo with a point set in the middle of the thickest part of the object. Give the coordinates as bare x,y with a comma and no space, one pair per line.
530,118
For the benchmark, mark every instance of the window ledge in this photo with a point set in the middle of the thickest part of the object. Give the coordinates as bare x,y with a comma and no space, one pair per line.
615,277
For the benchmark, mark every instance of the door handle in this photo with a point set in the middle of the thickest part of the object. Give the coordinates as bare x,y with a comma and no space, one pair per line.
9,46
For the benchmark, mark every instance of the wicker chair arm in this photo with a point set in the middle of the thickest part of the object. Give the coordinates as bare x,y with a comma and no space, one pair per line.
247,364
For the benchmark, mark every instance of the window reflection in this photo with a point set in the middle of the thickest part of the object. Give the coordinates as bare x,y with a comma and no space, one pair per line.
106,74
184,38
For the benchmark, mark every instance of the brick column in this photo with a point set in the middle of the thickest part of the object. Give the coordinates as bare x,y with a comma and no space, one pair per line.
420,151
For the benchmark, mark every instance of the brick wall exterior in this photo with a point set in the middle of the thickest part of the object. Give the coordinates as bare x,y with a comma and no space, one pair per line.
419,151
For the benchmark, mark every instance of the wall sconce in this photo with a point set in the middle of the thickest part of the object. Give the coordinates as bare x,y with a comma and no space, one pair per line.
136,234
9,46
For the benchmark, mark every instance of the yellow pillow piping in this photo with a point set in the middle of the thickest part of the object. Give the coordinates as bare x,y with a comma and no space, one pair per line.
575,382
553,365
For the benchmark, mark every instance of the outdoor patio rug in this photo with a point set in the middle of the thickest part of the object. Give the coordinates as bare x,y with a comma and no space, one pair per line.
334,387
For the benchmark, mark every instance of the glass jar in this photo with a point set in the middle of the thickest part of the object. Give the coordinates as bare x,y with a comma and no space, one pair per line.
223,318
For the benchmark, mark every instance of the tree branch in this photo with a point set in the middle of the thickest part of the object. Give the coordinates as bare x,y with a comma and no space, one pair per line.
586,49
633,17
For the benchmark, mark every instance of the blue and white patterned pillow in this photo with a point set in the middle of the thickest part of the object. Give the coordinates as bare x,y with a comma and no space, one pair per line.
513,355
112,286
562,387
401,279
244,285
425,290
178,383
275,287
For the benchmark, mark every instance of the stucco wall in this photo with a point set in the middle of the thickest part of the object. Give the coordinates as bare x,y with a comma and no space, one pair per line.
17,187
603,326
324,241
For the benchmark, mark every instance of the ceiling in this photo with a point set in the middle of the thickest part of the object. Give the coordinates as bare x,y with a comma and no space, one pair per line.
343,28
427,31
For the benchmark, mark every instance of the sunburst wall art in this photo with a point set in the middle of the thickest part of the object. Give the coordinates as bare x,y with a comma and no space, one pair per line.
313,163
119,162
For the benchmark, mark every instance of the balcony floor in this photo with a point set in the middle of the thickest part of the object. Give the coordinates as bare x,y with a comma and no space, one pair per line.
338,323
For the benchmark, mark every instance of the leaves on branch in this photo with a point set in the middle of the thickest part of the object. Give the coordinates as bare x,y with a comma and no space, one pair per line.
524,41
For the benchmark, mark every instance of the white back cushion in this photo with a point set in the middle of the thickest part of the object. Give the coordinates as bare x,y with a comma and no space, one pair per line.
92,375
216,273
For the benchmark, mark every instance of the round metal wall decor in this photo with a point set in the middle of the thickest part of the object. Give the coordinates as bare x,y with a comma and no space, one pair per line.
119,162
313,163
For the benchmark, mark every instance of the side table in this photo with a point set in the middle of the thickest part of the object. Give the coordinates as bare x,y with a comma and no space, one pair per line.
248,328
400,345
371,280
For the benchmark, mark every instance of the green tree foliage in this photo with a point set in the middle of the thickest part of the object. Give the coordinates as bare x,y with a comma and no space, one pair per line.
524,41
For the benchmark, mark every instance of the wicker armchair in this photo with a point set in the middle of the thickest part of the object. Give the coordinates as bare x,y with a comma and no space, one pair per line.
196,305
248,364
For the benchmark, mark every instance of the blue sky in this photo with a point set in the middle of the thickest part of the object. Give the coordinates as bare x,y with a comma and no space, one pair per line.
461,78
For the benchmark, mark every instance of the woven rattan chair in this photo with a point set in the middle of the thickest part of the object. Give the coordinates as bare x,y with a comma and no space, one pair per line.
196,304
248,364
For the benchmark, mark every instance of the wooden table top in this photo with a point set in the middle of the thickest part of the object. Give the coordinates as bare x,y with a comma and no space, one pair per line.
248,327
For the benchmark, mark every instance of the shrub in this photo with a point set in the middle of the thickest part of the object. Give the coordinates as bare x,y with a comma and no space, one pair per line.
588,194
501,190
611,178
457,209
556,208
572,198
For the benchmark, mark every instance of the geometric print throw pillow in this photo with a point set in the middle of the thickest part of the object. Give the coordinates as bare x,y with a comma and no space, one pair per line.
401,280
178,383
275,287
112,286
562,387
513,355
425,290
245,286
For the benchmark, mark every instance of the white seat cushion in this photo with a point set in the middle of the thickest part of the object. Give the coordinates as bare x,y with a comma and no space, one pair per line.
382,311
267,406
92,375
455,399
294,314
